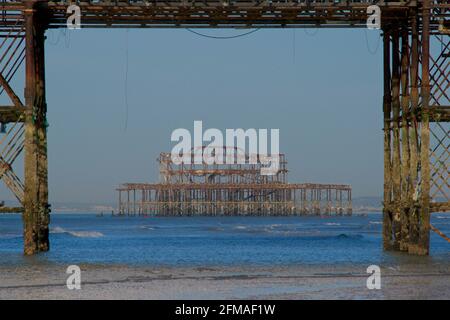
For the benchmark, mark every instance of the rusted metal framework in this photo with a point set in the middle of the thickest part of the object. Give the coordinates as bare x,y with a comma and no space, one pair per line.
416,92
416,127
230,189
244,168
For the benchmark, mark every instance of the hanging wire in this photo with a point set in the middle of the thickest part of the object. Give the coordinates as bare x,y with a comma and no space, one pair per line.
293,45
126,81
311,34
222,37
67,38
372,52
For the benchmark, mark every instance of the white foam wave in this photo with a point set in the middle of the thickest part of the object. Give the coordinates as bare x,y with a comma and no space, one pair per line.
57,230
10,236
147,227
86,234
79,234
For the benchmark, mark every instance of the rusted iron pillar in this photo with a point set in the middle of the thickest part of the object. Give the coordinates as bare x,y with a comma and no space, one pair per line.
404,203
413,135
406,219
387,194
423,244
36,208
395,123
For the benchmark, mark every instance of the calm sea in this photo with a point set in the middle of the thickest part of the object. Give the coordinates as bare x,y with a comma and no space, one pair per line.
209,241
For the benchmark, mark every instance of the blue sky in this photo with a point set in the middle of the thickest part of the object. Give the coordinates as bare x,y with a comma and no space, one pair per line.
321,88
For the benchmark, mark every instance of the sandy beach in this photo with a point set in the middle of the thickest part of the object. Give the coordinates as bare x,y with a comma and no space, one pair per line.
293,282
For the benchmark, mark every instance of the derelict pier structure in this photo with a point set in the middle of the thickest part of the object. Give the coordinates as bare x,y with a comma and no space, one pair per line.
230,189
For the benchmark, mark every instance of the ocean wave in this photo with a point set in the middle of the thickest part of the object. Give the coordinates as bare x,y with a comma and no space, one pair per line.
78,234
332,224
10,236
276,229
349,236
442,217
147,227
375,222
272,226
214,229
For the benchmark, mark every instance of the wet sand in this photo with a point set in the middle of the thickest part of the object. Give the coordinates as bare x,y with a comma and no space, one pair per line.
290,282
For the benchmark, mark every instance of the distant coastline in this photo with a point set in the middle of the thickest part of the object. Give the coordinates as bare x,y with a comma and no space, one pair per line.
360,205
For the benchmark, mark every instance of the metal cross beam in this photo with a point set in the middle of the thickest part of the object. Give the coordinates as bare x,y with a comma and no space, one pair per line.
12,55
223,14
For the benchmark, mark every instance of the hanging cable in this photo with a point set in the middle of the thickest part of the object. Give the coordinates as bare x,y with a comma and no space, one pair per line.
367,43
126,81
294,40
67,37
311,34
222,37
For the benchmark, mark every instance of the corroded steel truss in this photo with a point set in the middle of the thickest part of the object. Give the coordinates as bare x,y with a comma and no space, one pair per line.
416,130
416,92
222,199
12,48
230,189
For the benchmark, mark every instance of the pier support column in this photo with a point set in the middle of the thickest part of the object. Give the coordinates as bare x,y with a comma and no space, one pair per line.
422,247
387,196
36,208
408,104
414,139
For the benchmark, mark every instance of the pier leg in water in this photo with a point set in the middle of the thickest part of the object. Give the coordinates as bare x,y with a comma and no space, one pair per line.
36,208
